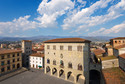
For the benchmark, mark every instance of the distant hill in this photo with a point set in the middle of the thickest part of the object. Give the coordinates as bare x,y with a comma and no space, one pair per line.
44,38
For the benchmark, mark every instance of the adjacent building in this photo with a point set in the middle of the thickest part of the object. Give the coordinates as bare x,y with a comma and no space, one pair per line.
10,60
26,52
122,61
37,60
68,58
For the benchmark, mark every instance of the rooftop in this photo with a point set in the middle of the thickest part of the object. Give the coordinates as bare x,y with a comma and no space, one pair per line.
114,76
110,46
107,58
122,55
9,51
118,38
120,46
99,51
37,55
27,40
67,40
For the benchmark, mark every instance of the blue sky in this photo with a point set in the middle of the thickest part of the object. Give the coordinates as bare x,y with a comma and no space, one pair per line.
25,18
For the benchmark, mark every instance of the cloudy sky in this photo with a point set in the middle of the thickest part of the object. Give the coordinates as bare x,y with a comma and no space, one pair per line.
62,18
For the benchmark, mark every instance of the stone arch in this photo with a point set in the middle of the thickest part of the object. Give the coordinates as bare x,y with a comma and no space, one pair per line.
94,77
18,65
54,71
70,76
48,70
79,66
80,79
61,73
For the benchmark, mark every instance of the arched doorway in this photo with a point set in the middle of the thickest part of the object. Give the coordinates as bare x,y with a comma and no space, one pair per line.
94,77
62,74
80,79
54,71
70,76
18,65
48,70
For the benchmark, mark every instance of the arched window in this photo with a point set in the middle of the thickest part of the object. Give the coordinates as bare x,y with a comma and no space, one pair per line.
48,61
61,64
79,67
69,65
54,62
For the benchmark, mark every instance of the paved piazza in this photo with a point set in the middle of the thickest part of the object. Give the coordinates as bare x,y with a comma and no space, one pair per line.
34,77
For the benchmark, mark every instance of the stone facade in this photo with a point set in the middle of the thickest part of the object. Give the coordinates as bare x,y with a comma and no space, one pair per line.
65,60
110,63
117,52
117,41
10,60
26,51
122,61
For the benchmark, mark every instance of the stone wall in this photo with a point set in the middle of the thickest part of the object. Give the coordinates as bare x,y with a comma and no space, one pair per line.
75,57
110,63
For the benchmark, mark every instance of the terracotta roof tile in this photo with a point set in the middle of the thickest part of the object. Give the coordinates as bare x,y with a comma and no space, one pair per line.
122,55
37,55
98,51
27,40
67,40
9,51
118,38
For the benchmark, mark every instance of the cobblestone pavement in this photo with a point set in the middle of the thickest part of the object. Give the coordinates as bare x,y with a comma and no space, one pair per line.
34,77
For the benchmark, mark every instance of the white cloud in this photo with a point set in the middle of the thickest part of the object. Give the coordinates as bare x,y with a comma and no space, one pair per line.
114,30
22,23
83,19
50,11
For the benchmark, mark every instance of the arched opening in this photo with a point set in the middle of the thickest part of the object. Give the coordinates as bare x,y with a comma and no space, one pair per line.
62,74
94,77
18,65
61,64
48,69
80,79
79,67
54,71
70,76
69,65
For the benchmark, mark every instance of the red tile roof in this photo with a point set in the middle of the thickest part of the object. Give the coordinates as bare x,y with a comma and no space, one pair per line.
67,40
120,46
27,40
122,55
37,55
99,51
9,51
118,38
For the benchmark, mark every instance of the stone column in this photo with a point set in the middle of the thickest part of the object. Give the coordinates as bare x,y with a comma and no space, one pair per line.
45,69
74,79
51,71
65,76
58,73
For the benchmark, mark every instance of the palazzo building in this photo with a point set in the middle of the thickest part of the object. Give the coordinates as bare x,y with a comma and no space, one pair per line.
10,60
68,58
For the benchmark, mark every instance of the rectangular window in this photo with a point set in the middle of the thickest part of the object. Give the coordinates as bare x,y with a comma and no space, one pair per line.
48,46
13,65
2,70
2,63
61,47
70,48
8,67
13,55
18,54
8,56
54,47
79,48
2,57
13,60
8,62
18,59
